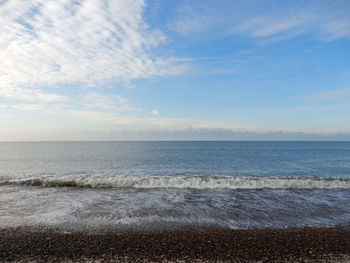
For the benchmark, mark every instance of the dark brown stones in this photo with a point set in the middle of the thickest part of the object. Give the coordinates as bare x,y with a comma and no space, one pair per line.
211,245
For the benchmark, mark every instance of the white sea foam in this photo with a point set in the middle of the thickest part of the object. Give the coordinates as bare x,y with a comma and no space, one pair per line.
195,182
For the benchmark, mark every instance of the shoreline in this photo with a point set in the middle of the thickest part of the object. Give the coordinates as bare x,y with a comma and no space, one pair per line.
182,245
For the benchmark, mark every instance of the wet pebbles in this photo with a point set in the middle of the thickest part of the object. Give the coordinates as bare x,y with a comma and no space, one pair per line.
199,245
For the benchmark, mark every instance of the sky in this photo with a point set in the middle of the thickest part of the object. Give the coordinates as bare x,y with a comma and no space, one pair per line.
174,70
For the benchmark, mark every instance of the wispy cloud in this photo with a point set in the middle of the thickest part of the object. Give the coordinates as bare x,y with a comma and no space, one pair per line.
28,94
111,102
262,27
114,118
324,24
48,42
190,23
322,20
333,94
27,107
338,29
103,117
42,107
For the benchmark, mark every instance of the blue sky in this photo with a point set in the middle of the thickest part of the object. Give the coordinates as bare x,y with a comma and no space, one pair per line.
119,69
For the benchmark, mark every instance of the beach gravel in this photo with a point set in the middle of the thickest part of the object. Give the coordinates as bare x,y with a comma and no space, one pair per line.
183,245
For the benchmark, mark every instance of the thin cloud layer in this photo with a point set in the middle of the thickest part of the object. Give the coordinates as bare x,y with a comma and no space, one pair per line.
324,20
114,118
108,102
48,43
286,26
263,27
333,95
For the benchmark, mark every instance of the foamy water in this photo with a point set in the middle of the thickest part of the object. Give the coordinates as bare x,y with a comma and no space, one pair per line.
193,182
153,185
105,209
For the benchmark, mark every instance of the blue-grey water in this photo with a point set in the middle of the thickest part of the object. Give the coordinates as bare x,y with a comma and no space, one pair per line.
151,185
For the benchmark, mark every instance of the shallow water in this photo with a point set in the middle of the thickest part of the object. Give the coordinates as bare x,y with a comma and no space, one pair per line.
165,185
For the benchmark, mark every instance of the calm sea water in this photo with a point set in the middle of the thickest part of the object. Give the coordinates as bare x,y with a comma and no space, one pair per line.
150,185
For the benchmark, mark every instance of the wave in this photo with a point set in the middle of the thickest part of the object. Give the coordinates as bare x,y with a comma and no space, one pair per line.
194,182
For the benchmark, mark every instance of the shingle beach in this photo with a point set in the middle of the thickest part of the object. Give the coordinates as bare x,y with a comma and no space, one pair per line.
185,245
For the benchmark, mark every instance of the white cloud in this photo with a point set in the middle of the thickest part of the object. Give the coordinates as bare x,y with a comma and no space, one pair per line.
49,42
27,107
111,102
103,117
43,107
154,112
113,118
29,94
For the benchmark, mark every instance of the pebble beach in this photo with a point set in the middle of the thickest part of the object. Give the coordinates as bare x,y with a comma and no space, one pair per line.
183,245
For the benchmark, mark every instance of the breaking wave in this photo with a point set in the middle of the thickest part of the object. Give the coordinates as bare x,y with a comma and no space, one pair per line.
194,182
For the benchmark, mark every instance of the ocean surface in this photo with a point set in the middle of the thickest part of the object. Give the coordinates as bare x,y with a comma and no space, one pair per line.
97,186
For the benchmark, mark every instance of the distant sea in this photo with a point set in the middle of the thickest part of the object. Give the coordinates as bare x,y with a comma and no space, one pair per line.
97,186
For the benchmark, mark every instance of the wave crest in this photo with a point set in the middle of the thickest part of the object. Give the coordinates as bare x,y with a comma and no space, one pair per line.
195,182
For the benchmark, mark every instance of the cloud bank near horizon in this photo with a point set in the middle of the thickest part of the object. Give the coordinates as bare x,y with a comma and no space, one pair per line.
189,134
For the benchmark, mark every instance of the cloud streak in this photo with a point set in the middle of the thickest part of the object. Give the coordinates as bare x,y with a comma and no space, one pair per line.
333,95
108,117
110,102
323,20
28,94
263,27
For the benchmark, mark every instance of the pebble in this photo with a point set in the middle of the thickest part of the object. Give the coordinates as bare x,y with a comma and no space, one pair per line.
183,245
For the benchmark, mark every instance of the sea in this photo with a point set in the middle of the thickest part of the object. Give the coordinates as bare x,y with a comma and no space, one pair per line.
108,186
